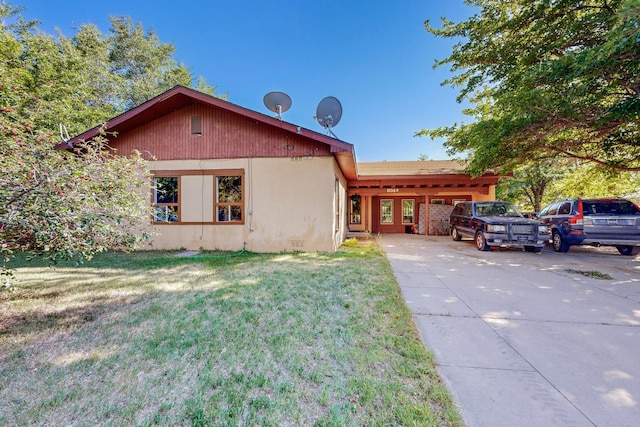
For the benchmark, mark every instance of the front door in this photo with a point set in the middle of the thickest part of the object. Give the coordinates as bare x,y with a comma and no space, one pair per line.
394,214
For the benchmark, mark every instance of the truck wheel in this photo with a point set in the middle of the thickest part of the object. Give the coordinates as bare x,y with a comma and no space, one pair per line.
455,235
559,245
481,243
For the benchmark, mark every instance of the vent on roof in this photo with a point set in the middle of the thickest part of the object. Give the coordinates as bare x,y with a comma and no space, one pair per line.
196,125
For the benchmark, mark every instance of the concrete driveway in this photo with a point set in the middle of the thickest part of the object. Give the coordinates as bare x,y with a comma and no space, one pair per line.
518,338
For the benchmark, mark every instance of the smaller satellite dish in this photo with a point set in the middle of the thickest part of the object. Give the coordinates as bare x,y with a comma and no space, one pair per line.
329,113
278,102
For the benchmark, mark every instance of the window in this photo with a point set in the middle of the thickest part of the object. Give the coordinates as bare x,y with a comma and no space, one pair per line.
550,210
229,198
565,208
165,199
437,201
613,207
407,211
386,211
355,209
198,196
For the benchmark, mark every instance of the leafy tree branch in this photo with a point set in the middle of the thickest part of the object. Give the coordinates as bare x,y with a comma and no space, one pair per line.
546,79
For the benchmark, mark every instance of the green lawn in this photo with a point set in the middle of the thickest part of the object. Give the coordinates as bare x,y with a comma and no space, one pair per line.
247,340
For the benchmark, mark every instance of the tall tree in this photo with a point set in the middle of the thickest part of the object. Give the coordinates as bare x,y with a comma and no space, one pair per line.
536,184
72,204
587,180
546,79
144,64
528,184
90,77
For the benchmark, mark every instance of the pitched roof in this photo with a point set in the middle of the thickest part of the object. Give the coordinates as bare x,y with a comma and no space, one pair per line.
410,168
180,96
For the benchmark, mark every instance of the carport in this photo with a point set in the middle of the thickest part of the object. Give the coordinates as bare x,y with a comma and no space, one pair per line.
394,197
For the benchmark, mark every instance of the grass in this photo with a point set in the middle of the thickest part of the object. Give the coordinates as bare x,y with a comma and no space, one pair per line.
592,274
251,340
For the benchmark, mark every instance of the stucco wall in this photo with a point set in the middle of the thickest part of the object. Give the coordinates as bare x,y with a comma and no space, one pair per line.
288,206
341,209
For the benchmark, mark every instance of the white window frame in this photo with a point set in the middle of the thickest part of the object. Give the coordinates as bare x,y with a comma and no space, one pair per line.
382,211
413,211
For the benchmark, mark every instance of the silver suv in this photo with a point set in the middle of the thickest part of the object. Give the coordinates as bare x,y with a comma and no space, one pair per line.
596,222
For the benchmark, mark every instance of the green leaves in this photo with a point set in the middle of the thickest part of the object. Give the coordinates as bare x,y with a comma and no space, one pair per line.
73,204
63,205
83,80
548,79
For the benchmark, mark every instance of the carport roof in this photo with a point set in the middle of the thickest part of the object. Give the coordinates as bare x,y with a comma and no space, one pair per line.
419,174
409,168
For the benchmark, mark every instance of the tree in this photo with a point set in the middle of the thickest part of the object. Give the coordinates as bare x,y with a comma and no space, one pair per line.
533,186
588,180
143,64
73,204
546,79
67,205
83,80
528,184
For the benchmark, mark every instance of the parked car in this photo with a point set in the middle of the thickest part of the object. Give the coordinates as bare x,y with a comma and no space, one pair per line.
596,222
496,223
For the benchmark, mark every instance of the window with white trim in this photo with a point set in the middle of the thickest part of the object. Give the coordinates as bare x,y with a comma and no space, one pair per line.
386,211
408,210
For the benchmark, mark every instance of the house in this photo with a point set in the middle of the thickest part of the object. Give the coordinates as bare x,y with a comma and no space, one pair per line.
228,178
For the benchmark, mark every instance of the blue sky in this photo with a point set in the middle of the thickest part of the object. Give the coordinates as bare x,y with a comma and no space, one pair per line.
374,56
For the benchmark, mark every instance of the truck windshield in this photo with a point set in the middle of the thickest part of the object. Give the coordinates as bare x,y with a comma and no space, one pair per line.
497,209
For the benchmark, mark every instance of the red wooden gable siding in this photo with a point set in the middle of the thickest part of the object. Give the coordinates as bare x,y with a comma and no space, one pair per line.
225,135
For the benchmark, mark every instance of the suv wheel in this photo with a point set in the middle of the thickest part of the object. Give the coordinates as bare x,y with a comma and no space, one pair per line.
455,235
559,245
628,250
481,243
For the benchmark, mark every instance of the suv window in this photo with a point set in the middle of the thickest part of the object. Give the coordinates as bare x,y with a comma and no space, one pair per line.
549,210
565,208
616,207
458,209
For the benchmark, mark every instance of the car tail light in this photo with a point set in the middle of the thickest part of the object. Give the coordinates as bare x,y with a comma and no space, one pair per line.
578,217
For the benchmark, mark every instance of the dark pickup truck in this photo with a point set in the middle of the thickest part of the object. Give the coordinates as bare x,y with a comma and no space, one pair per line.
496,223
596,222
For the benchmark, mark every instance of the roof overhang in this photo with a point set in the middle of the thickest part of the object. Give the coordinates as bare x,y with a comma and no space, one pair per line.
451,181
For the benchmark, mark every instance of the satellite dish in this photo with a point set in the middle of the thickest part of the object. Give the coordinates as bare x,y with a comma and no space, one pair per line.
278,102
329,113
